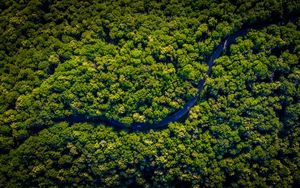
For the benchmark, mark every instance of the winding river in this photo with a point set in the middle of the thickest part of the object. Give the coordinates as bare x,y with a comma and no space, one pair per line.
175,116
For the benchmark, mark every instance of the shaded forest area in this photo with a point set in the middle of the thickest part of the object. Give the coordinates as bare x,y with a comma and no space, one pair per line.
139,62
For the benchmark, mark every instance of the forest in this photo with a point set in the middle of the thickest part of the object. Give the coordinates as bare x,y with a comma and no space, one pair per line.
212,85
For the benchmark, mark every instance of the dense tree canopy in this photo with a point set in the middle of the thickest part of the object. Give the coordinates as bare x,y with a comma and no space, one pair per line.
141,61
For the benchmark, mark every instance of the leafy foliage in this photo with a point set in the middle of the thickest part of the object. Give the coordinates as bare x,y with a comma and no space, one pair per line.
140,61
